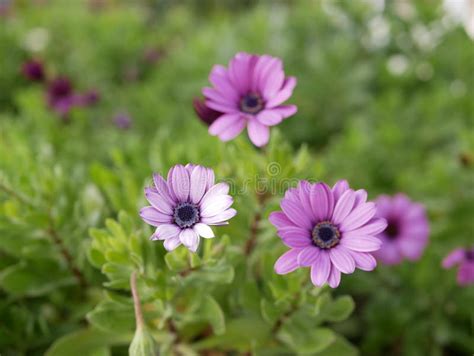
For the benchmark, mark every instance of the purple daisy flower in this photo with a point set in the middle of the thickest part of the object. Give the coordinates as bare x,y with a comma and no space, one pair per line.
33,70
183,207
205,113
249,94
329,230
465,259
407,231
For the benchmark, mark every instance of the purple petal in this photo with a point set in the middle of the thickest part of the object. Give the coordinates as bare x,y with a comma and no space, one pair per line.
373,227
296,214
283,94
166,231
273,81
225,108
203,230
213,95
220,80
294,236
163,189
334,278
178,180
285,110
358,217
198,183
339,188
389,253
411,248
455,257
158,202
466,274
210,178
172,243
308,256
219,218
304,194
343,206
360,197
362,243
363,260
279,219
189,239
287,262
320,269
240,71
269,117
342,259
153,217
217,190
259,134
322,201
224,122
216,205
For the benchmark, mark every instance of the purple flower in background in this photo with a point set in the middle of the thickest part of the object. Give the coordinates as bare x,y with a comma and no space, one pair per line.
206,114
33,70
152,55
61,97
249,93
89,98
407,231
465,259
183,207
123,121
329,230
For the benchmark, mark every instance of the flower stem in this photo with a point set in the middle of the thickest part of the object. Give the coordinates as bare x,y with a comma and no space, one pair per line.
136,300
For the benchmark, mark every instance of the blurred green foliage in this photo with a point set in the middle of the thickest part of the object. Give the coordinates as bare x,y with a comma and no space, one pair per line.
385,100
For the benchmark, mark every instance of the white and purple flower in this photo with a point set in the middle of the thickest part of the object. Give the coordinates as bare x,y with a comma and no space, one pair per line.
329,230
185,205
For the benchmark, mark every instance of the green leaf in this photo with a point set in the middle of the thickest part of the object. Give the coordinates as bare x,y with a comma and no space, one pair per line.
340,309
87,342
112,316
307,341
212,311
270,312
340,347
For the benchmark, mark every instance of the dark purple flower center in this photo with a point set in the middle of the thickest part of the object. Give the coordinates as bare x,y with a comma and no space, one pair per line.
186,215
392,231
325,235
252,103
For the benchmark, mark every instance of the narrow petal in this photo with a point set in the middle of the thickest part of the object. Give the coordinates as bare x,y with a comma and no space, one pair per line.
363,260
296,214
279,219
223,123
273,82
389,254
360,197
373,227
465,275
158,202
216,205
178,179
343,206
287,262
295,236
411,248
284,94
190,239
220,80
322,201
172,243
342,259
269,117
166,231
304,194
219,218
320,269
358,217
203,230
362,243
210,178
217,96
339,188
153,217
233,131
217,190
163,189
308,256
259,134
224,108
454,258
198,184
334,277
285,110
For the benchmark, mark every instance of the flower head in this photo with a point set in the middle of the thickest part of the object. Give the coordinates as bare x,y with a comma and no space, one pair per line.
249,93
329,230
123,121
407,231
33,70
465,259
184,205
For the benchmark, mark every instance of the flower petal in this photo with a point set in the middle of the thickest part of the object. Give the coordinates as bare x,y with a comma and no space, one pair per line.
343,206
294,236
203,230
339,188
219,218
269,117
361,243
215,191
285,110
216,205
287,262
283,94
363,260
334,277
373,227
296,214
320,269
322,201
304,194
259,134
153,217
172,243
198,184
358,217
178,180
226,123
342,259
166,231
163,189
308,256
158,202
279,219
454,258
190,239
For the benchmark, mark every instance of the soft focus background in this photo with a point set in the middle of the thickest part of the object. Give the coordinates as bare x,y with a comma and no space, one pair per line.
385,99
